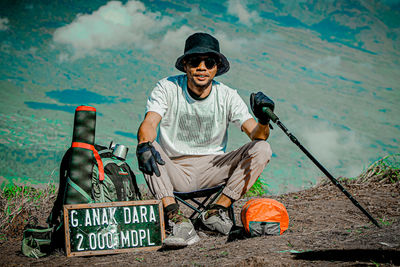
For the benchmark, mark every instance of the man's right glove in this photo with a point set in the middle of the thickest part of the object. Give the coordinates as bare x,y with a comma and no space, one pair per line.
148,157
257,102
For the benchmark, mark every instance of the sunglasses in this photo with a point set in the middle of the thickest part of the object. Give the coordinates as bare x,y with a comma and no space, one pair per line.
210,62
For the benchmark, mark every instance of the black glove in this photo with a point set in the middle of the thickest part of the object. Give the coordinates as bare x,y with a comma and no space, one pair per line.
148,157
257,102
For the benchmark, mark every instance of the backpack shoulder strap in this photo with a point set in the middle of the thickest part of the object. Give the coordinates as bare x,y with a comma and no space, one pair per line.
104,151
135,185
109,160
53,218
80,190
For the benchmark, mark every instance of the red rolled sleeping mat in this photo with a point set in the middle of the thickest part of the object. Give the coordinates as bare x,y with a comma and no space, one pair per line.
83,154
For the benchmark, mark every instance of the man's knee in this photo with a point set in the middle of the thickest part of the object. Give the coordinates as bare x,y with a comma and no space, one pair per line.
262,151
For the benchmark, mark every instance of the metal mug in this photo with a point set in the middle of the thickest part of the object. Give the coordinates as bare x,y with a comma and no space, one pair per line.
120,151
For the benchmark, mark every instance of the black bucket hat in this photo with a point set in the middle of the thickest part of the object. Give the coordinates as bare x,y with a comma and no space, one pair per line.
203,43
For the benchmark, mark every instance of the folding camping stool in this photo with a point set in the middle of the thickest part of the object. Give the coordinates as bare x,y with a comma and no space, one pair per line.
209,194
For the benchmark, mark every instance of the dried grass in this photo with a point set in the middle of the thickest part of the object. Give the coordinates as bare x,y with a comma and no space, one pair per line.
18,203
385,171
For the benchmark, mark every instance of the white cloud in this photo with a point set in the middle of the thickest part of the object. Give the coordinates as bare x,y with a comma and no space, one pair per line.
174,41
4,24
172,44
111,26
334,148
330,64
63,57
333,61
238,10
231,47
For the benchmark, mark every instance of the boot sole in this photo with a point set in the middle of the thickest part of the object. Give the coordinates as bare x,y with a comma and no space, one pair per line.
181,243
193,240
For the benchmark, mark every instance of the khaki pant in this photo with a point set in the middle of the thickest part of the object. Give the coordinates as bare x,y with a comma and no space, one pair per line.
238,170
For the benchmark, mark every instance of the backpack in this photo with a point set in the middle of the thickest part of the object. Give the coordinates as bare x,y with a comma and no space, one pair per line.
264,216
119,184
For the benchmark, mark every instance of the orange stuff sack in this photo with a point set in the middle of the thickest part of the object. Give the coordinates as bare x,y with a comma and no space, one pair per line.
264,216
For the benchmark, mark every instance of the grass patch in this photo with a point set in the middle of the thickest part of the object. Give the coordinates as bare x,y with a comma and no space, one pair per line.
18,202
386,221
384,170
258,189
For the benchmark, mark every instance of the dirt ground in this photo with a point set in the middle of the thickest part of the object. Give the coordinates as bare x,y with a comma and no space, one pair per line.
325,229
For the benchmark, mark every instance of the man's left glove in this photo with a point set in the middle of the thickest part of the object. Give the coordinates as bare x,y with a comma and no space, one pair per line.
257,102
148,158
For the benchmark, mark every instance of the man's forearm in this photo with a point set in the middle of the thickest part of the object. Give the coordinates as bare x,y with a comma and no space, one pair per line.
260,132
146,133
255,130
148,129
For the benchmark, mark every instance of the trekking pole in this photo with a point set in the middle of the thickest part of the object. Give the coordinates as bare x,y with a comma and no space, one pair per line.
276,120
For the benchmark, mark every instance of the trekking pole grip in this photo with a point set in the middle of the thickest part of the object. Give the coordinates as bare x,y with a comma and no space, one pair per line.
270,114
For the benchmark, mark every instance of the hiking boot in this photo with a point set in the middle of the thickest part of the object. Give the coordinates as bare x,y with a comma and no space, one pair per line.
182,232
182,235
217,220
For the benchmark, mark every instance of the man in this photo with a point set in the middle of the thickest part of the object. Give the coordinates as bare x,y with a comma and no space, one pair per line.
193,112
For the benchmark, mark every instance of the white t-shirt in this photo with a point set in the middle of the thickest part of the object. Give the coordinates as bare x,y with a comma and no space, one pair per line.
195,127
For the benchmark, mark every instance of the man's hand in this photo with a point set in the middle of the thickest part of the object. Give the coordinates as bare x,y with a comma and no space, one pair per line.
257,102
148,158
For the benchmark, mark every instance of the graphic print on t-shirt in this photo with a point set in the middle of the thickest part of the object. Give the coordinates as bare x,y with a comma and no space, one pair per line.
195,129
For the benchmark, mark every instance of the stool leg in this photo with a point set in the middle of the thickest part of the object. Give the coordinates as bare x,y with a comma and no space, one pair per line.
231,214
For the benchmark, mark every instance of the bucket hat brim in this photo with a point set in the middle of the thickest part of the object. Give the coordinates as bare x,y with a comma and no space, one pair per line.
223,66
